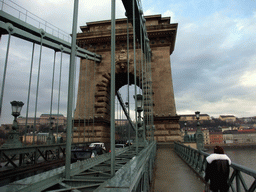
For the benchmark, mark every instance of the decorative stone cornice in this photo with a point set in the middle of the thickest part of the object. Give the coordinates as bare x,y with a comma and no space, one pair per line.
98,34
98,120
166,118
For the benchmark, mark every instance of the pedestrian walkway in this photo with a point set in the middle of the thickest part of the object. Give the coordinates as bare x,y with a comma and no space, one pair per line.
172,174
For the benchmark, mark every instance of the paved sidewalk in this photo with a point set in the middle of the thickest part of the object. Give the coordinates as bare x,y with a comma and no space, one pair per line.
172,174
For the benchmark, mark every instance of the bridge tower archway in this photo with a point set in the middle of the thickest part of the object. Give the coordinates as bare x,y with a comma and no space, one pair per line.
92,114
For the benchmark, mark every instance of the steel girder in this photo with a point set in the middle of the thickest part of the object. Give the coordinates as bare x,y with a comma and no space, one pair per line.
18,156
94,174
134,174
20,29
55,178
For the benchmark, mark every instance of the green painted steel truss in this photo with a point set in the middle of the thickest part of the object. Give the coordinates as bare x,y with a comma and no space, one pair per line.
16,27
132,173
20,157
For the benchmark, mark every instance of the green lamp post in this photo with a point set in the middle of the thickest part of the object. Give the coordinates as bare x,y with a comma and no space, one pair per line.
13,139
141,131
186,137
199,133
51,138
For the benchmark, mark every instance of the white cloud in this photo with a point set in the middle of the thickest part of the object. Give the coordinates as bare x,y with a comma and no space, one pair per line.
150,12
171,14
248,79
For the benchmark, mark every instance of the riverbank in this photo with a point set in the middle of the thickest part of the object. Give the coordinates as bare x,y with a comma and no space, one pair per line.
232,145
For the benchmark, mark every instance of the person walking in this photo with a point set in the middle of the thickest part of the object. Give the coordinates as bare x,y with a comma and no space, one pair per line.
217,170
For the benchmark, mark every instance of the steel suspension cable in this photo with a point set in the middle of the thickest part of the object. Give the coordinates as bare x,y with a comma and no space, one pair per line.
128,78
74,93
70,91
139,65
53,75
94,91
89,112
134,56
29,88
5,69
151,96
86,60
60,74
79,114
37,87
112,91
86,99
142,80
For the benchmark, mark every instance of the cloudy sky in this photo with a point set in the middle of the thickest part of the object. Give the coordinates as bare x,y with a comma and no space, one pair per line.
213,64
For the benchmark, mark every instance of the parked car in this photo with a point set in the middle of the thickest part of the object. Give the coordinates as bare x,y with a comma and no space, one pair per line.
94,145
120,146
82,153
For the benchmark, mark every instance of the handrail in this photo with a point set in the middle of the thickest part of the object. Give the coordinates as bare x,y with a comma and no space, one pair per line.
197,161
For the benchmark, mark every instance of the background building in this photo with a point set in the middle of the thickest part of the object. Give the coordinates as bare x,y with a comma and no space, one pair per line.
228,118
203,117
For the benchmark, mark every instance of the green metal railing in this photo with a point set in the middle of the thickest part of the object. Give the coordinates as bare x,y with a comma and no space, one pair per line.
241,178
136,175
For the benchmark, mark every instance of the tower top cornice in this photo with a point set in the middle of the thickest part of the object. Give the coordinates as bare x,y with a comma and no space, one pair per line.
159,29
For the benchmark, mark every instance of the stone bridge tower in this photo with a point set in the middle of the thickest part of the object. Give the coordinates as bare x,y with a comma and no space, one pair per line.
92,115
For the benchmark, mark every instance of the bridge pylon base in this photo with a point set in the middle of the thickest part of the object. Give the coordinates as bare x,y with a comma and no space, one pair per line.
167,129
89,130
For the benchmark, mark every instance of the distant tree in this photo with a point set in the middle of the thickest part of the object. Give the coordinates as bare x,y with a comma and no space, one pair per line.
2,134
43,128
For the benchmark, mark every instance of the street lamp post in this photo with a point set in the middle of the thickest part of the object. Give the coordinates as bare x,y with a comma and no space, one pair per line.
186,137
51,138
13,139
199,134
141,132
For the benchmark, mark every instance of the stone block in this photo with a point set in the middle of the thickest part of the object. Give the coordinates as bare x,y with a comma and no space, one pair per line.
175,132
102,110
102,99
161,132
173,138
160,126
102,134
75,140
100,105
95,128
161,139
101,94
172,126
102,89
107,75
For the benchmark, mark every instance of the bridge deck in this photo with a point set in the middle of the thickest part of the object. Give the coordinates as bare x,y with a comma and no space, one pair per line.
173,174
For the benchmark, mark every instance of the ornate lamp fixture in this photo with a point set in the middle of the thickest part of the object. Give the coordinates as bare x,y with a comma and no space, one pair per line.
186,137
13,140
139,102
141,131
